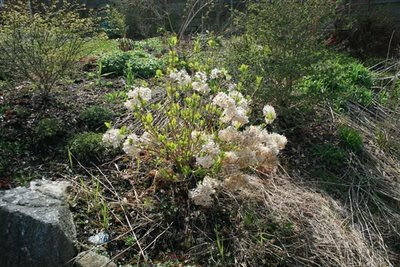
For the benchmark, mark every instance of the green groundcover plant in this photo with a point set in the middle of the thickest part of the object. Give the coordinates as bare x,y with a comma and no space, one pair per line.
338,81
141,63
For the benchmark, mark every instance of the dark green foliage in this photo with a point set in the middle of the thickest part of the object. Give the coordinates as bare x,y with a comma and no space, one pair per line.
351,139
329,154
48,129
143,64
113,23
95,117
367,33
87,147
9,150
337,81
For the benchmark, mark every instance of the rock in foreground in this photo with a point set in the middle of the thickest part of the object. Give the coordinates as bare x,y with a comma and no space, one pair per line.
36,226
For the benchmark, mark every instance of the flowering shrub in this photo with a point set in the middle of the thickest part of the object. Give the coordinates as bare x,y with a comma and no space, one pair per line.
201,132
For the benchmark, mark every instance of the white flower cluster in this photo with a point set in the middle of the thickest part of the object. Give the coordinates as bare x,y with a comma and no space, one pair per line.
181,77
244,184
113,138
131,144
219,73
209,151
137,95
269,113
255,146
200,83
235,107
202,194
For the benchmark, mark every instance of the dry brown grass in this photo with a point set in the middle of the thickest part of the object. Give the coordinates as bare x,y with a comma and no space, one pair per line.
323,233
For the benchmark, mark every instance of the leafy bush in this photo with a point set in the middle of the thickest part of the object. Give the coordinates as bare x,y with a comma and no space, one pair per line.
47,129
125,44
351,139
87,147
337,81
95,117
44,46
143,64
281,40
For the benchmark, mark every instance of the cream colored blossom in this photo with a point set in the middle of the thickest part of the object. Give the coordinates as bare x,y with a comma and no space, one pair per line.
202,194
131,145
112,138
201,87
269,113
231,157
230,134
209,151
181,77
232,86
215,73
146,138
235,108
240,100
201,77
222,100
137,95
279,140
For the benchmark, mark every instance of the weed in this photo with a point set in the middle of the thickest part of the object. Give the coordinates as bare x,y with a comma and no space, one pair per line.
116,97
91,75
87,147
129,241
329,154
48,129
24,177
351,139
8,151
99,72
337,81
95,116
220,245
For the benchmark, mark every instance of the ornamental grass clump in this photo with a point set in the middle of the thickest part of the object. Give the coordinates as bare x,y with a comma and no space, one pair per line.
199,133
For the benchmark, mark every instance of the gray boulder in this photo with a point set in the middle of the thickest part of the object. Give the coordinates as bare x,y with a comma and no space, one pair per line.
36,226
92,259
